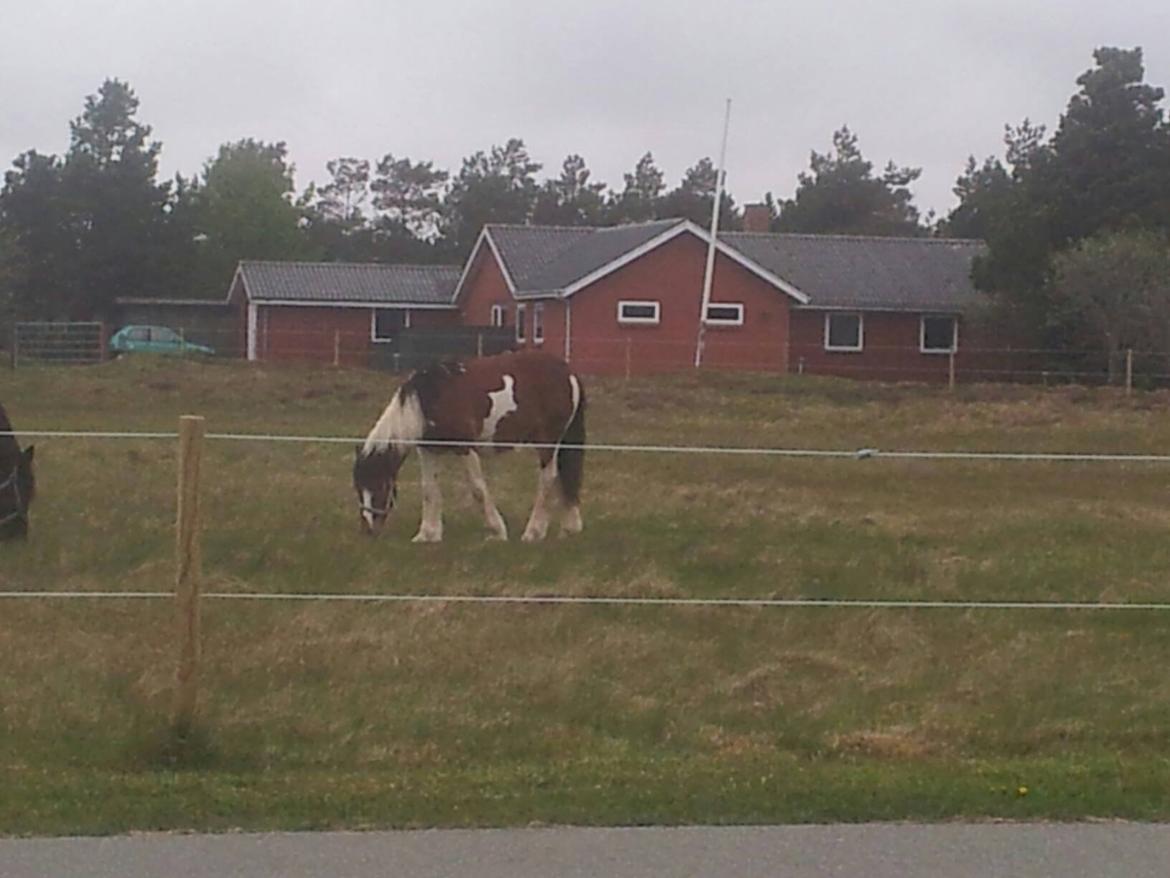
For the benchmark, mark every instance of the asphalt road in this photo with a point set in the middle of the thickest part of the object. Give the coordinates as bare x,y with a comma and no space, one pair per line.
868,851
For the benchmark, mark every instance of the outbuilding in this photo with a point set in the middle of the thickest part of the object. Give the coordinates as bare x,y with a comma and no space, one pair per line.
336,311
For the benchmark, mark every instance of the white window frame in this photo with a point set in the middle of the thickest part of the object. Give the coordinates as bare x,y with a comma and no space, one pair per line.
521,329
499,315
923,349
639,321
851,349
538,323
724,321
374,322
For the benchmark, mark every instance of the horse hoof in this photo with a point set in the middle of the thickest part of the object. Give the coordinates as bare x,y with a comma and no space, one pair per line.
421,537
571,523
497,537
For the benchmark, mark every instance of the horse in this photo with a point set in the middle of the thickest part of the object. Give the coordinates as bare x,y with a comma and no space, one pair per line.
511,399
17,483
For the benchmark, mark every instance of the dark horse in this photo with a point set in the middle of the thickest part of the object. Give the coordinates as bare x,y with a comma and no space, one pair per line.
17,485
526,398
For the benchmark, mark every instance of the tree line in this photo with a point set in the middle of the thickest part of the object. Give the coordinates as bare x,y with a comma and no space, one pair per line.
1076,222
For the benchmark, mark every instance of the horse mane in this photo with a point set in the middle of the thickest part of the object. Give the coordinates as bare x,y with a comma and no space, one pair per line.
404,421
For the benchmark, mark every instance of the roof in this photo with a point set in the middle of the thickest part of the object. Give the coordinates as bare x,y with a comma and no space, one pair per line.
177,303
353,283
895,274
544,260
820,271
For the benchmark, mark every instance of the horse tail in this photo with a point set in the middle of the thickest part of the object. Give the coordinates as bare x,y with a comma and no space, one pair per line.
571,459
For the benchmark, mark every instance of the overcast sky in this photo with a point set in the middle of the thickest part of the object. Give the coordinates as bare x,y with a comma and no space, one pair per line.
922,83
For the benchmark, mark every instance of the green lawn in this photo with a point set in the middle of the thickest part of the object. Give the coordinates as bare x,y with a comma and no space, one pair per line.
395,715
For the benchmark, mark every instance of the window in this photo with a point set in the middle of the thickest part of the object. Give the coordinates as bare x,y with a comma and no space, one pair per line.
499,315
939,335
538,323
638,312
139,333
161,333
844,332
725,314
387,323
521,329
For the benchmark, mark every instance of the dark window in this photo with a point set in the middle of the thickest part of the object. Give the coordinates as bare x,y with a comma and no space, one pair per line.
730,315
520,323
843,332
638,312
938,334
538,323
388,322
138,333
499,315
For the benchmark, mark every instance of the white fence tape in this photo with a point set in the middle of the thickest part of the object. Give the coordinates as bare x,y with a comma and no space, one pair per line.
855,454
589,600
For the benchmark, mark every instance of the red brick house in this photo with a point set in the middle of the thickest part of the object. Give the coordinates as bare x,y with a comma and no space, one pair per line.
336,311
627,299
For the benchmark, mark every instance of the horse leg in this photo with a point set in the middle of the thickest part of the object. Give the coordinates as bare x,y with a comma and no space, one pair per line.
571,520
479,489
538,521
431,529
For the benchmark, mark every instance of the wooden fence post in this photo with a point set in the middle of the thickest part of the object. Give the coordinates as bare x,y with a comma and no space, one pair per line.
479,344
188,573
1128,371
951,371
336,347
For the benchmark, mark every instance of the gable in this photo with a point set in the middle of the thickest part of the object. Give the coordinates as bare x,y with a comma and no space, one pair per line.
544,261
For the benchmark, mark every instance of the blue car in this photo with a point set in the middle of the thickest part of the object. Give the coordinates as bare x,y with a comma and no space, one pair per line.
154,340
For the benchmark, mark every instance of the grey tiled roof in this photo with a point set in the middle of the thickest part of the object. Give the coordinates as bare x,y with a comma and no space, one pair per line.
356,283
546,259
908,274
901,274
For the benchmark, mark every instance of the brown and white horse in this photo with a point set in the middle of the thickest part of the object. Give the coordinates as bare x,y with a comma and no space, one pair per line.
521,398
17,484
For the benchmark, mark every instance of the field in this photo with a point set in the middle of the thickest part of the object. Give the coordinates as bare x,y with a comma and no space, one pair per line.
328,715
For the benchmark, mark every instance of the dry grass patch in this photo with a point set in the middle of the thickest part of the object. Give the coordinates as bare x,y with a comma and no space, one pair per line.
592,713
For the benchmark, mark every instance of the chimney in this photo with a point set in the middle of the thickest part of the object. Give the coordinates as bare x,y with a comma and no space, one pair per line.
757,218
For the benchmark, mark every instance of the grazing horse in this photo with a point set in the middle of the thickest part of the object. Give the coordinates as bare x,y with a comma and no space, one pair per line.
518,398
17,485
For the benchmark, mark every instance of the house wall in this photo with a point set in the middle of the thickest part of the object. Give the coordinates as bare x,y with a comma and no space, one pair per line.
290,333
890,351
485,286
553,311
311,333
673,275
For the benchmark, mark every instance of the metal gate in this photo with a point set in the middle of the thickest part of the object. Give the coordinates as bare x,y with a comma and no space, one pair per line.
58,343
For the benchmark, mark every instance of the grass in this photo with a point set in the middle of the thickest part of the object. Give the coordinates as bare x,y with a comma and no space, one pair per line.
359,716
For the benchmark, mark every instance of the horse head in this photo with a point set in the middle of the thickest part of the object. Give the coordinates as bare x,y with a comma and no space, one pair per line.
375,478
17,489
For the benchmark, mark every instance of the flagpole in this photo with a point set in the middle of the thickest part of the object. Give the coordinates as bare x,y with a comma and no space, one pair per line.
709,272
